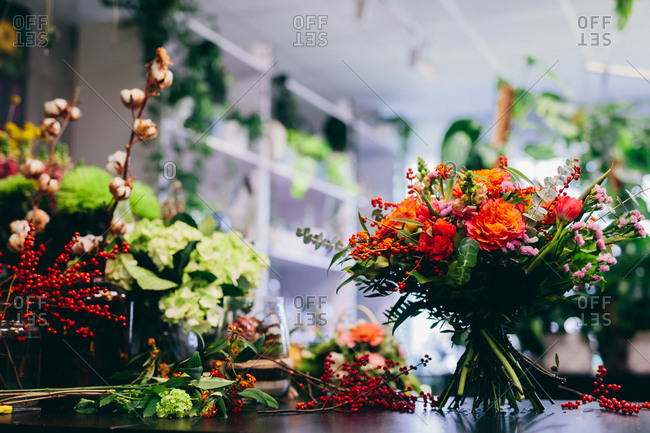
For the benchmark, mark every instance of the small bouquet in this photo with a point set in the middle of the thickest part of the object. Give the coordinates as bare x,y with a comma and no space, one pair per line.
475,248
348,344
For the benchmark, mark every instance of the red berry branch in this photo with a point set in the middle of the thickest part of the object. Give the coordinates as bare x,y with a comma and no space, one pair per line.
54,298
601,391
355,387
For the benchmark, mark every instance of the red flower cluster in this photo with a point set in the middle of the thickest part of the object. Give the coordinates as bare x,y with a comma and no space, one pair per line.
54,299
437,242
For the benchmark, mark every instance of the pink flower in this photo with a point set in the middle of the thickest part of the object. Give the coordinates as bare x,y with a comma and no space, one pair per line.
345,339
566,268
603,268
527,250
579,240
376,360
578,274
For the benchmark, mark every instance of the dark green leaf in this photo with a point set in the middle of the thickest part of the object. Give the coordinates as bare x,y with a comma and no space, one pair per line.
150,409
182,257
260,396
184,217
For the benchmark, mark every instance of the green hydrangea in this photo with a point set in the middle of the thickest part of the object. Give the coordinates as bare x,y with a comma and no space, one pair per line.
160,242
143,232
116,272
195,305
227,257
175,403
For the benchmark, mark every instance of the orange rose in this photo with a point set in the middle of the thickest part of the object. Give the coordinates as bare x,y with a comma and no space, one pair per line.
496,223
407,209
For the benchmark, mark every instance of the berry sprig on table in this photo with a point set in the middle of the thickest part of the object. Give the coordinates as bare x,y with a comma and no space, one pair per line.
601,391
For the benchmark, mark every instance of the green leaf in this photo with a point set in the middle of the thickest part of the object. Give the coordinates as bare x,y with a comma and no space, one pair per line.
183,217
182,257
215,347
336,258
363,225
107,399
86,406
518,174
146,279
540,152
260,396
194,368
421,278
251,350
208,225
213,383
459,140
222,407
150,409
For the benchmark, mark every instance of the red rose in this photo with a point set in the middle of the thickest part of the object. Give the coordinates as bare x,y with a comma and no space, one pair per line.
437,241
567,208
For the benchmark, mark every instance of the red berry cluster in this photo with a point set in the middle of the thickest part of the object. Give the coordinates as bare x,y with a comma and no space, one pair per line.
601,391
53,298
355,386
379,203
503,161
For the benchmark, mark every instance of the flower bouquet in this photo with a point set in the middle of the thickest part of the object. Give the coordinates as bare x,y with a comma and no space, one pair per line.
348,344
476,248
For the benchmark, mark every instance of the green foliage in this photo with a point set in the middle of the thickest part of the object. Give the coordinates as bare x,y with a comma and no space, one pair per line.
144,202
319,240
190,392
285,108
624,10
252,122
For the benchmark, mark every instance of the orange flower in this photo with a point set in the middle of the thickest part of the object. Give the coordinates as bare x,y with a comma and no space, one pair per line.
407,209
370,333
496,223
492,178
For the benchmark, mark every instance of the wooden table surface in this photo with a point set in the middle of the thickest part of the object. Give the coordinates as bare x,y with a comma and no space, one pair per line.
588,419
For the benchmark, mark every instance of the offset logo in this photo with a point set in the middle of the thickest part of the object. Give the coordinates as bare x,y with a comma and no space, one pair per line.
30,30
594,310
309,30
594,31
308,310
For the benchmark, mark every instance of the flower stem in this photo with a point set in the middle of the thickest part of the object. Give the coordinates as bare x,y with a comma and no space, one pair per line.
547,247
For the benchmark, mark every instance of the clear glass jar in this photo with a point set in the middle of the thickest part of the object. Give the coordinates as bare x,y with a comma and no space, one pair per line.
257,315
20,348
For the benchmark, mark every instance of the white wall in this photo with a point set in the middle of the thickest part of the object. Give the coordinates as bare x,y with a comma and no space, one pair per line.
109,59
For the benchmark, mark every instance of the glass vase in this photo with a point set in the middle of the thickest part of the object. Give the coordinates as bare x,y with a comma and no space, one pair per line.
20,349
257,316
73,360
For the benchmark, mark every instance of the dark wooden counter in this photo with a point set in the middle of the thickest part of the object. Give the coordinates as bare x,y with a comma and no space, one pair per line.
588,419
